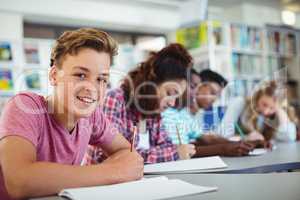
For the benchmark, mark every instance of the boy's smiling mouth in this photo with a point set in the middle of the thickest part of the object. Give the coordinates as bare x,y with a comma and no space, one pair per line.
86,99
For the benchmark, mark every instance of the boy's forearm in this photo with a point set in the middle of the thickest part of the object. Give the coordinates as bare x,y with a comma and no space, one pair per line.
44,178
209,150
211,140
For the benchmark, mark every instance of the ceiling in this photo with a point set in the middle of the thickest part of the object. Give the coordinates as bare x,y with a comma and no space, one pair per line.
293,5
164,3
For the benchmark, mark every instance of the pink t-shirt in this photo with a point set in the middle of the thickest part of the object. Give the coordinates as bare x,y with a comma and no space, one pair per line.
26,115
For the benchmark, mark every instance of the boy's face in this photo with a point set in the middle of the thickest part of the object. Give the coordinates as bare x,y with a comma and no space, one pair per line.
205,96
194,82
80,82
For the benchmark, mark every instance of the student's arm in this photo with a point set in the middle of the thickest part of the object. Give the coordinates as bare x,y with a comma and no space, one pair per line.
161,150
211,139
287,129
228,149
119,143
25,177
232,114
161,147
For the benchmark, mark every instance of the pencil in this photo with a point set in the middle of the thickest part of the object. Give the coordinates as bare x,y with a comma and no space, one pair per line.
178,135
240,131
133,138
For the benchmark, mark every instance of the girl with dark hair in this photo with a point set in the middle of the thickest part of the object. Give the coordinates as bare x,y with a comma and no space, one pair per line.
147,91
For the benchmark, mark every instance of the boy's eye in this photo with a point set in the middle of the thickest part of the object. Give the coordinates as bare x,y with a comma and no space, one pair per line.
104,80
81,76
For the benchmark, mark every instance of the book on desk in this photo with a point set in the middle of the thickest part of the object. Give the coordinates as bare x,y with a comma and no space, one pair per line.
146,189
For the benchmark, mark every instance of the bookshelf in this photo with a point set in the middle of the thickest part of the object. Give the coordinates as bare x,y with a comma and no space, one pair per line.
283,51
245,55
24,66
206,42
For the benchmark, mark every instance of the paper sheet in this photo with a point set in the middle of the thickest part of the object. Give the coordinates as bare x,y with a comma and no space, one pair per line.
146,189
257,152
181,166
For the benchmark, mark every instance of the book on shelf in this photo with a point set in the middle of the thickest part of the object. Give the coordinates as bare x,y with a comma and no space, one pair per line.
246,37
198,35
31,52
6,80
189,37
243,87
245,65
273,64
282,43
146,189
203,33
33,81
217,30
240,87
5,51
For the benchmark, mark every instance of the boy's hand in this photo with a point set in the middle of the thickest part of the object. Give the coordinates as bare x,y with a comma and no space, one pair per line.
186,151
128,166
254,135
237,149
261,144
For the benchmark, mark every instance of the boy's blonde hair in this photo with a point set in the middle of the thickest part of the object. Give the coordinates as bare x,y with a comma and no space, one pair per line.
71,42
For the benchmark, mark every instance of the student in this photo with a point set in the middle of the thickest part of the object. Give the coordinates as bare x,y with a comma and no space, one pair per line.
147,91
43,140
190,124
262,116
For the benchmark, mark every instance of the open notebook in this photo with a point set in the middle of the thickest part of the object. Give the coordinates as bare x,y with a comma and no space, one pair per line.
182,166
146,189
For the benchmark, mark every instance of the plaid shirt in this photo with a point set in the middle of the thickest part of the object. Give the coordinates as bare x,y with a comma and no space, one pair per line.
161,147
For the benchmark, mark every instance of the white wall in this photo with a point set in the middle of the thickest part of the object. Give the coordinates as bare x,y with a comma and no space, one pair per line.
260,15
103,14
11,26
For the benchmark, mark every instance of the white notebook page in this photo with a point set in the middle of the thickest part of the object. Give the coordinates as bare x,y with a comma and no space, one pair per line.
195,164
146,189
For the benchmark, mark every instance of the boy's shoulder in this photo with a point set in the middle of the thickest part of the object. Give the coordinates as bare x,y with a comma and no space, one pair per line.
116,93
28,100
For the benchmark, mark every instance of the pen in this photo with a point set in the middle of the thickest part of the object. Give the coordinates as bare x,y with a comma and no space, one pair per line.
178,135
133,138
240,131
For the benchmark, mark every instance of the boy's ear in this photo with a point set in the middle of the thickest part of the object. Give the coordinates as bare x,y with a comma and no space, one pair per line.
53,75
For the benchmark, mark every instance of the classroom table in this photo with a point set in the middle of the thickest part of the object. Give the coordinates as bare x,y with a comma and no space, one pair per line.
275,186
286,157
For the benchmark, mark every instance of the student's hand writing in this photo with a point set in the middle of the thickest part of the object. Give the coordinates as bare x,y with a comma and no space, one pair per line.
254,135
186,151
261,144
128,166
236,149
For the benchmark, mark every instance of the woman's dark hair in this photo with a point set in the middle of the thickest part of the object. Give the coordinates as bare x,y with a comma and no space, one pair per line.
170,63
193,71
208,75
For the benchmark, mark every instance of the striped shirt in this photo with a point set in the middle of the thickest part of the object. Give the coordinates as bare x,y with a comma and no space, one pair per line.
160,149
188,125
